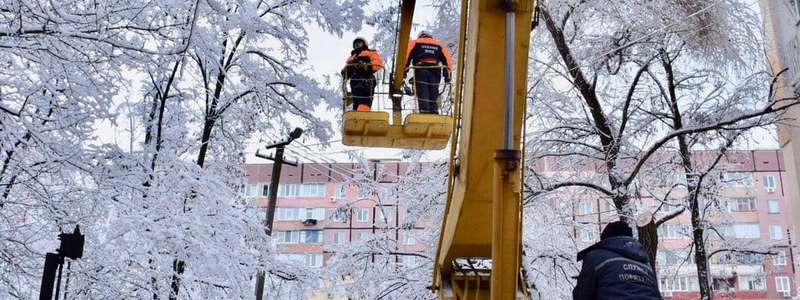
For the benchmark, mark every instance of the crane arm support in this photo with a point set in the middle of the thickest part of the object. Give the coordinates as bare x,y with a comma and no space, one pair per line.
483,213
406,20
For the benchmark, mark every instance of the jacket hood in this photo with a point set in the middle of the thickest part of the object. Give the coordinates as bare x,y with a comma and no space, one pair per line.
622,245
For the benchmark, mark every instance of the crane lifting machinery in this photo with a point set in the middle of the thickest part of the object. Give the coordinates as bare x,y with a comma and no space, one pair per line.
479,247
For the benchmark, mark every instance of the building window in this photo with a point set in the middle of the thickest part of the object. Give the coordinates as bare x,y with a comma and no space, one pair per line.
723,284
754,259
671,231
679,284
288,213
288,237
385,214
250,190
738,179
746,231
300,237
741,204
265,190
311,236
313,260
669,258
341,191
385,192
409,261
775,232
729,258
610,207
769,183
312,190
410,237
339,216
751,283
361,236
339,238
585,208
774,206
586,233
317,213
363,192
779,259
564,208
289,190
362,214
783,284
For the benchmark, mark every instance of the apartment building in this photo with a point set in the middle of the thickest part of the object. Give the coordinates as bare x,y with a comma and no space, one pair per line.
755,213
310,222
782,32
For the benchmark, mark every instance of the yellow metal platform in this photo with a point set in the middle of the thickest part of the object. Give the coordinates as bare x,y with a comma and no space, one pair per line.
419,131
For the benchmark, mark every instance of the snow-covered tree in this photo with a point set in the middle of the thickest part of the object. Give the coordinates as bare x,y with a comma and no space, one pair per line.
382,266
191,82
618,88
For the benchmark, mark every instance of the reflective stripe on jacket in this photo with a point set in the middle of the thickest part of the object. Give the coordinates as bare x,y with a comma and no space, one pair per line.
428,50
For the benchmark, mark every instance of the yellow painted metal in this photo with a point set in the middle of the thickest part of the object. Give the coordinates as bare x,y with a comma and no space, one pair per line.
467,229
506,224
444,286
369,123
406,20
420,131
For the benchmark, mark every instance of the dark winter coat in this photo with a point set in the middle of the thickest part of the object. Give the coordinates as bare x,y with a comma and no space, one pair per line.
616,268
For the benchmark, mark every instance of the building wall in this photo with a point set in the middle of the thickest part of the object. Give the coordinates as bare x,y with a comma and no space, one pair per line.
768,182
595,213
339,188
781,20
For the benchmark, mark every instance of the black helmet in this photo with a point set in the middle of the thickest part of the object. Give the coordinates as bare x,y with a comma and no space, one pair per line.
363,40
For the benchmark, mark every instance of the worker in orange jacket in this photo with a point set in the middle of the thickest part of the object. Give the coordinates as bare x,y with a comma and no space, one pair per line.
431,60
360,69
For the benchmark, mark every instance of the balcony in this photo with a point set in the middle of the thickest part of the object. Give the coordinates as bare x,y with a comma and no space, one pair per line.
731,270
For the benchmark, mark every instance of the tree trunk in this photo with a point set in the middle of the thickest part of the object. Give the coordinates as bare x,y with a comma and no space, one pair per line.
178,265
700,254
693,182
648,237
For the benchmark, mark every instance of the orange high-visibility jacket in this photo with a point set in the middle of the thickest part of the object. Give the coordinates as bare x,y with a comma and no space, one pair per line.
368,56
428,50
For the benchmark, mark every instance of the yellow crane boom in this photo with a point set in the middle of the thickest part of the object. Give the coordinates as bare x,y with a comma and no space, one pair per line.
478,253
483,214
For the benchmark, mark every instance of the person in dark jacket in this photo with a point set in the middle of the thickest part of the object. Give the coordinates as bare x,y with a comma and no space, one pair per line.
360,69
616,268
431,60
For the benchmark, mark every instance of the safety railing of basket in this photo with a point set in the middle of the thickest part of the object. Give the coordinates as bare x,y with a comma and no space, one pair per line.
410,100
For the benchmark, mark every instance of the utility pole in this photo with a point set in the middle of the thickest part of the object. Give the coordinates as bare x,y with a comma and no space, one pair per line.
273,192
